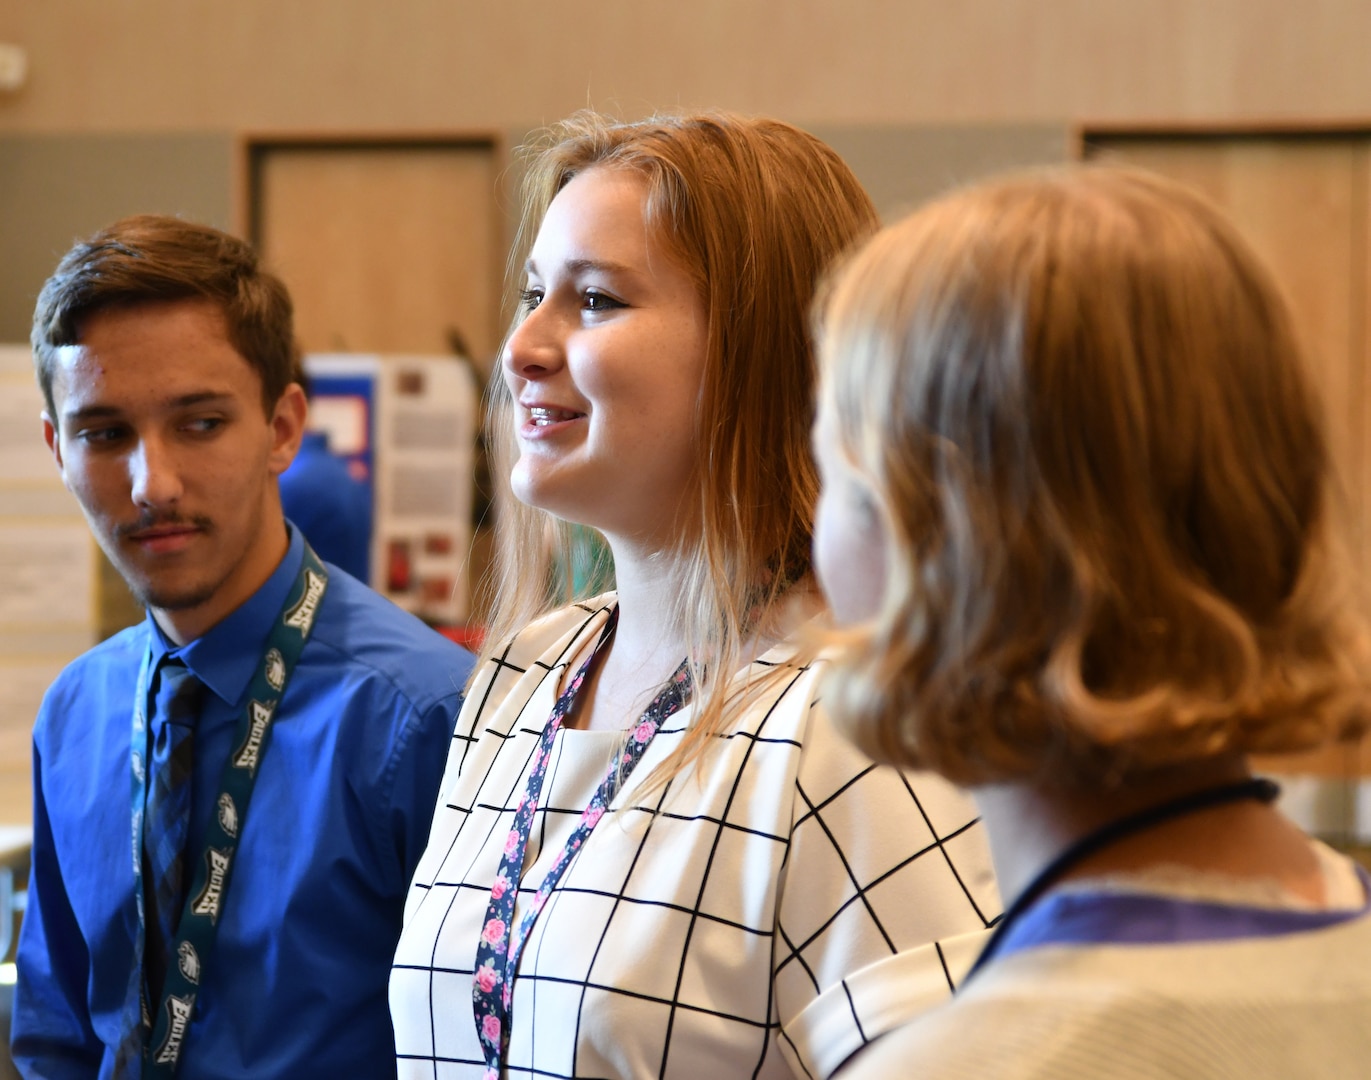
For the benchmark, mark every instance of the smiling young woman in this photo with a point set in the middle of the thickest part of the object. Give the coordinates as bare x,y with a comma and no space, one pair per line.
653,855
606,367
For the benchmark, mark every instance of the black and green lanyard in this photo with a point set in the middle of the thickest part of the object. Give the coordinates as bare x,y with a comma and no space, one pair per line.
165,1030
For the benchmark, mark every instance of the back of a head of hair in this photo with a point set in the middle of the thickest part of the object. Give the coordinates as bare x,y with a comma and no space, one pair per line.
754,210
1079,400
152,259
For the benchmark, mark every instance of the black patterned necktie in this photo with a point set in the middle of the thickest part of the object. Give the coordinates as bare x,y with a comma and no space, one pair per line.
167,815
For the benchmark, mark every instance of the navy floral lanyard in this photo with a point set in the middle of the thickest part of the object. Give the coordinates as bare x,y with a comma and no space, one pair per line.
498,952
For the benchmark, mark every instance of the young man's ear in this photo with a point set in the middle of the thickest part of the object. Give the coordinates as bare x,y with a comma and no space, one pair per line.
51,437
287,428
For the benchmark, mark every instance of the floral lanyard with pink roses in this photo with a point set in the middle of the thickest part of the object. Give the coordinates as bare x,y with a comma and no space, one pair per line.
497,954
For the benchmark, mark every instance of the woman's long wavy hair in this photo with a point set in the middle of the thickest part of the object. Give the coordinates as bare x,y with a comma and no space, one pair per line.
755,211
1080,407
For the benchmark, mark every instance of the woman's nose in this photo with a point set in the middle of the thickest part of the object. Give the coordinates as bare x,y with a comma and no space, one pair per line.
533,349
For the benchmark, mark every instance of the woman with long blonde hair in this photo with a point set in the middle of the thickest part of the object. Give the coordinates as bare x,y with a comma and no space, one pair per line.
1076,511
652,855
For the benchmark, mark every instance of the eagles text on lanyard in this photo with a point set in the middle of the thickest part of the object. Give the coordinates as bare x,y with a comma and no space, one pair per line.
250,752
178,1019
207,903
301,616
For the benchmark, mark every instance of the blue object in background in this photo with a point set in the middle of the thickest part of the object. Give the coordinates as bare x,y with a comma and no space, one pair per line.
331,507
328,489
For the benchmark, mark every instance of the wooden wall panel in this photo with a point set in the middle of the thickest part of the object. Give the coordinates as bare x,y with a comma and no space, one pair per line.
384,248
356,64
1360,228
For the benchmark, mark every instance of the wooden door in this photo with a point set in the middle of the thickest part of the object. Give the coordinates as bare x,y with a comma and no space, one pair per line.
385,247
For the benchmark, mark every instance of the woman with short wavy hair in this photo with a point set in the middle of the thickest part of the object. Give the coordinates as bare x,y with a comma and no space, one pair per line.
653,856
1076,515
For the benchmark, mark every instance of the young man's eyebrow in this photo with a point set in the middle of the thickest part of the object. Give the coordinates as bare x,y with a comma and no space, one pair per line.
91,412
185,401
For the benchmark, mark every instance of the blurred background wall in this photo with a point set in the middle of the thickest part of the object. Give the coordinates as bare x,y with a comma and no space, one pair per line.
203,65
142,104
235,113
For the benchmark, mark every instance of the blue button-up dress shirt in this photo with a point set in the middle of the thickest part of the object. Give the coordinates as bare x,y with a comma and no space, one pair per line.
295,985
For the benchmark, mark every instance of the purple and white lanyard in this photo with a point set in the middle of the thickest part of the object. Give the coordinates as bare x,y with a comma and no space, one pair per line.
498,952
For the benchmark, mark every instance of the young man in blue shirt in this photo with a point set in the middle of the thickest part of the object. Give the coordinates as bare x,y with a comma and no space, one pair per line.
165,357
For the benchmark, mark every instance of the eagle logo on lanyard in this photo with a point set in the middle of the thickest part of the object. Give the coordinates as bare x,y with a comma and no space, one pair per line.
228,815
276,670
188,960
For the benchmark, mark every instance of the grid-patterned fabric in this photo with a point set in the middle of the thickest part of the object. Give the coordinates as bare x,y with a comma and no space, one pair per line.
781,906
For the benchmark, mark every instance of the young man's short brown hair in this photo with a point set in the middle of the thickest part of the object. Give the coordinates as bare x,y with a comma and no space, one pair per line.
151,259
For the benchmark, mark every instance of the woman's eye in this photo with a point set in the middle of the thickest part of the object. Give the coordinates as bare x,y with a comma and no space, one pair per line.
530,298
598,301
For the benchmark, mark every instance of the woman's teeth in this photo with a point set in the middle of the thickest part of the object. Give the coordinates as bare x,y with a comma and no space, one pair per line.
543,417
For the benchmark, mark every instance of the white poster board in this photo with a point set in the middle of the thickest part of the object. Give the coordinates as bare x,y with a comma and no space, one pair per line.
408,424
47,575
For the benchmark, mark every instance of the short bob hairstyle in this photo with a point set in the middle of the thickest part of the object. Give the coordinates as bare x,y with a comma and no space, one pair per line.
754,210
152,258
1078,403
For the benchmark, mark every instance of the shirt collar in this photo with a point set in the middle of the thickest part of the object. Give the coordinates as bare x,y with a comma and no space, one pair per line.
225,657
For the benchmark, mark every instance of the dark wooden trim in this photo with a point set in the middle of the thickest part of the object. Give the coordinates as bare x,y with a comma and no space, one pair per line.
1087,132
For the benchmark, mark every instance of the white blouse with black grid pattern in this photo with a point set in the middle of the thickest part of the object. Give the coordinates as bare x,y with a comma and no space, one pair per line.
786,903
